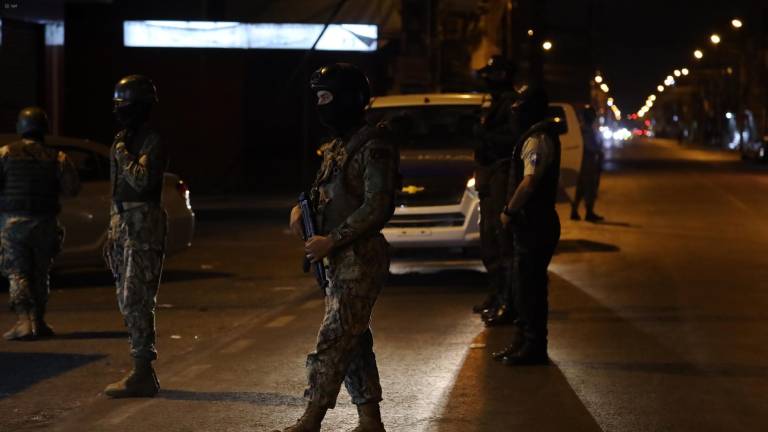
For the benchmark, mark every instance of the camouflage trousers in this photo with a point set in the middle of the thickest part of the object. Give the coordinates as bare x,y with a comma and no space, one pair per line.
28,245
344,352
134,252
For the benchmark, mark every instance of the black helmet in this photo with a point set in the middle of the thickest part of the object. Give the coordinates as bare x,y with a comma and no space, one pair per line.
346,82
498,70
532,106
135,88
32,121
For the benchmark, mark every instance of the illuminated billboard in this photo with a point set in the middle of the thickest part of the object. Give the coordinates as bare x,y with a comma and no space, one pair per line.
213,34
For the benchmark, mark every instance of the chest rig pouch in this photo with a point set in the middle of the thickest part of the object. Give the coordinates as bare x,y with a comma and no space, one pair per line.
337,192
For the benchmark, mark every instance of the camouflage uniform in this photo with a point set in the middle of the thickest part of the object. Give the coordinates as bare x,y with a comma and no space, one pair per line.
135,247
30,235
353,194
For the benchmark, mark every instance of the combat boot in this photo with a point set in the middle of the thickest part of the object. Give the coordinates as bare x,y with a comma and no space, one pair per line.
575,214
140,382
370,418
39,326
21,331
593,217
513,347
310,421
498,317
489,303
531,353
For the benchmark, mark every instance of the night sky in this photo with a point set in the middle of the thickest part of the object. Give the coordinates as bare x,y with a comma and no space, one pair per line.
640,43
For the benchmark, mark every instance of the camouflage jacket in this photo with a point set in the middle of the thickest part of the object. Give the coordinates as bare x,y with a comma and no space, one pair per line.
137,164
65,179
355,186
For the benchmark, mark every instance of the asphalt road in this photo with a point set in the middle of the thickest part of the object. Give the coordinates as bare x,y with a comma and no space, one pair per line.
659,322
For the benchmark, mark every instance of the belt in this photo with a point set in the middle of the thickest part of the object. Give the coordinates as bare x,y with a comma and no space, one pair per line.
124,206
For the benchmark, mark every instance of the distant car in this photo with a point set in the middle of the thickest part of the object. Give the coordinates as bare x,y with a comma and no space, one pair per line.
751,145
86,216
438,206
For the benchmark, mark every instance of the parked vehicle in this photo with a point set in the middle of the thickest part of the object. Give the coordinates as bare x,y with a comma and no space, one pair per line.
745,135
86,216
438,205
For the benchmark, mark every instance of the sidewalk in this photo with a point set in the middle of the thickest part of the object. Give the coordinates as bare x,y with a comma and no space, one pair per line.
216,207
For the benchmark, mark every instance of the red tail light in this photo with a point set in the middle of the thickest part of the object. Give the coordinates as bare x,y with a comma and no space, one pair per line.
183,190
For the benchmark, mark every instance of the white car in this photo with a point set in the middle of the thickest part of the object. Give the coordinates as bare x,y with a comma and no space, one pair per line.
438,206
86,216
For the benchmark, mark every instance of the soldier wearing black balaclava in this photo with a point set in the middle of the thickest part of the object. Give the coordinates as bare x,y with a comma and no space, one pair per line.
353,198
32,177
135,248
532,220
497,134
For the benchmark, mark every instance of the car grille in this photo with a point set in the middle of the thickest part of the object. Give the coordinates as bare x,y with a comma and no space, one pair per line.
427,220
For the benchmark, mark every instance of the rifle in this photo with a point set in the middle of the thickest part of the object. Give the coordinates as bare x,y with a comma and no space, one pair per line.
308,231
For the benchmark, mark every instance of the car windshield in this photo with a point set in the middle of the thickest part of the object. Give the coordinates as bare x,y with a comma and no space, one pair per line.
436,127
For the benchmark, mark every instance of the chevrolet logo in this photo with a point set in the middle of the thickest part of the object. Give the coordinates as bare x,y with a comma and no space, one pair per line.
412,189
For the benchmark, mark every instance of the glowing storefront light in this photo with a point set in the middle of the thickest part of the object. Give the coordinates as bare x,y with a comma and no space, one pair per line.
54,33
210,34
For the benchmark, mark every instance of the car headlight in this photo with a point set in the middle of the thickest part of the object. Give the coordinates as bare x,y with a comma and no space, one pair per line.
471,183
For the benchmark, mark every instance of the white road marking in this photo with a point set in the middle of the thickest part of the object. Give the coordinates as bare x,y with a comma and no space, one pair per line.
284,288
191,372
238,346
311,304
280,321
123,413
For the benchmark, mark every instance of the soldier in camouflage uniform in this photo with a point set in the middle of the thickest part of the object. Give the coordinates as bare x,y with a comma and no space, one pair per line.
353,196
32,176
497,133
135,247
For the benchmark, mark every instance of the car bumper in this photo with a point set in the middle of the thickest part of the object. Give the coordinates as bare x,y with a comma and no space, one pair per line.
447,226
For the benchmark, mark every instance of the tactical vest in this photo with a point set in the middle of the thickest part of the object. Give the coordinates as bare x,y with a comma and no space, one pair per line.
31,183
121,189
496,118
342,198
540,207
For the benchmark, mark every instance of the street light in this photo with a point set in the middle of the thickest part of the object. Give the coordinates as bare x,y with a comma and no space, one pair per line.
598,79
737,23
610,101
685,71
530,32
699,54
604,87
547,45
660,88
652,97
677,73
715,38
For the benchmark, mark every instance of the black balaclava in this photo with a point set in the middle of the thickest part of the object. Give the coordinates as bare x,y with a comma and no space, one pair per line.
132,115
341,92
532,108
